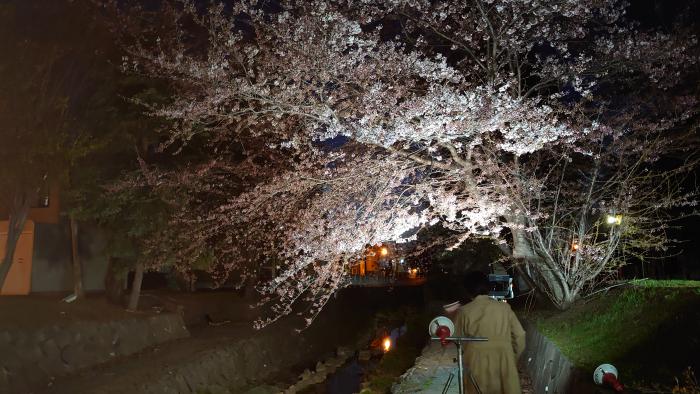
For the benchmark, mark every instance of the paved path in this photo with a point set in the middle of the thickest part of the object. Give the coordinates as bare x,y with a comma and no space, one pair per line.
432,370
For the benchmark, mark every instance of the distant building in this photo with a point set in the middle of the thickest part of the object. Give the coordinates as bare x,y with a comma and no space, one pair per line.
371,263
42,260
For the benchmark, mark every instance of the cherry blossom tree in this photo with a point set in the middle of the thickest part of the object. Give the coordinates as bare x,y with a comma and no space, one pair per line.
357,122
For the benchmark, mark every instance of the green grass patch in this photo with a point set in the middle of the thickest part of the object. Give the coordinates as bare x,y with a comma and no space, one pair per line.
667,283
649,330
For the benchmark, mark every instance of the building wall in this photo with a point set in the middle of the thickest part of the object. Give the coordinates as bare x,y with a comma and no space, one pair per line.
52,271
44,214
18,280
50,213
51,262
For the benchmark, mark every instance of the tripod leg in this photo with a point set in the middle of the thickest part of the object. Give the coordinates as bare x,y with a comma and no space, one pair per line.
460,367
448,383
463,369
473,380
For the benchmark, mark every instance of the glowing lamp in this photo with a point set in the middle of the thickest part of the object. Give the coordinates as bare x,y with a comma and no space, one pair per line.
386,344
614,219
384,251
574,246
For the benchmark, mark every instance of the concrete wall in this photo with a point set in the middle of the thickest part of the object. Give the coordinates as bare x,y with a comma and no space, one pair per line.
551,372
52,271
31,359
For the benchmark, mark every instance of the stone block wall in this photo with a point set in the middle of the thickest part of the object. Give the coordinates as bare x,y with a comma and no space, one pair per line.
31,359
231,365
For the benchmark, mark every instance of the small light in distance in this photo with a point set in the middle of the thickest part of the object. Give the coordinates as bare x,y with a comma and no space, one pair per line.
386,344
574,246
384,251
614,219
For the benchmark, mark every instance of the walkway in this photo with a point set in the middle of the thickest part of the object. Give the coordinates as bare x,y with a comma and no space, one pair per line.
432,370
383,281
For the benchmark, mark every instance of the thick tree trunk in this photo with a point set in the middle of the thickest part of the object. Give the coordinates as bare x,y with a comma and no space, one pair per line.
249,292
77,265
547,279
114,283
18,218
136,288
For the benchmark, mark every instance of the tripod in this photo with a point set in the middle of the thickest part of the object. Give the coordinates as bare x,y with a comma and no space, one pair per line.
460,368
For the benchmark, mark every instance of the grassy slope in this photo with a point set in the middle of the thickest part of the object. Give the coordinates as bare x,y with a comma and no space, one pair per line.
650,330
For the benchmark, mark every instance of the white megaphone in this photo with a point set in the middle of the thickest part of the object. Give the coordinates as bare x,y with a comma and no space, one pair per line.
606,375
442,328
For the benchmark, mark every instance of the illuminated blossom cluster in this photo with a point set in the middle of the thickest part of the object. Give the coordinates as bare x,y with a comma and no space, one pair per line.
362,121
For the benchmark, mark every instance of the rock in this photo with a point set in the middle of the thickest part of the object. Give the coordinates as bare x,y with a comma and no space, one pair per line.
343,352
305,375
264,389
316,379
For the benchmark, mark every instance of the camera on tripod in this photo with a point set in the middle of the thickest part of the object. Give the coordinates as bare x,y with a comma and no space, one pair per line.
501,287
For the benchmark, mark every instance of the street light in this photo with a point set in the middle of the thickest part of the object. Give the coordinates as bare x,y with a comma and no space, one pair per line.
384,251
614,219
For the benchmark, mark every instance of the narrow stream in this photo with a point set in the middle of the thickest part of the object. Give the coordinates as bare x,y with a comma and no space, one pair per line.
348,378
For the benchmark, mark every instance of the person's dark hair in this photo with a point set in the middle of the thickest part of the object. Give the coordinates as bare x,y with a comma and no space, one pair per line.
477,283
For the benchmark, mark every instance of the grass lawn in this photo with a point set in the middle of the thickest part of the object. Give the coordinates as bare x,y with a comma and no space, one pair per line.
649,330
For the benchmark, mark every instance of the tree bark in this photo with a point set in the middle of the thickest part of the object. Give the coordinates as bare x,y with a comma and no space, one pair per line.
114,283
18,218
77,265
136,288
549,280
249,289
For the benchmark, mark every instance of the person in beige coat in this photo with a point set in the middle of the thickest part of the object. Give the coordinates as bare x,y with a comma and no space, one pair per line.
492,363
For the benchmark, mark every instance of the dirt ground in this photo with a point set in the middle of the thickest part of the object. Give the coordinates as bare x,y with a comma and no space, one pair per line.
198,309
33,311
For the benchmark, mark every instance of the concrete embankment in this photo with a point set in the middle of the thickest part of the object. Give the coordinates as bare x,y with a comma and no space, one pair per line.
233,358
33,358
550,371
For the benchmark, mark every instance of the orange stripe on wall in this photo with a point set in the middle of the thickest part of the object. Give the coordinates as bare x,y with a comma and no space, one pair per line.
19,279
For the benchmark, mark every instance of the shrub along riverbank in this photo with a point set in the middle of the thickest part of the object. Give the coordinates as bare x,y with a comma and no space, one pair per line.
650,330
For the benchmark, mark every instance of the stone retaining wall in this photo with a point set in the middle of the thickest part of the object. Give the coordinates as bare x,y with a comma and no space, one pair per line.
236,365
31,359
551,372
230,367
